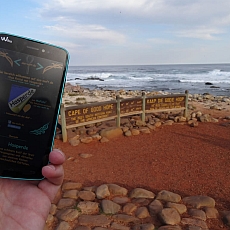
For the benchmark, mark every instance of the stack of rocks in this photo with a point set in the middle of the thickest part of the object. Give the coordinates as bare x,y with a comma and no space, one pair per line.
111,207
133,125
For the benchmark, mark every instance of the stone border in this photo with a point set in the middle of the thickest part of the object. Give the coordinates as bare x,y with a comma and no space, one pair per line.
111,207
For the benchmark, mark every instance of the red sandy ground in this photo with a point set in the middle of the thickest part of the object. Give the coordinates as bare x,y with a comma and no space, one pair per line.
185,160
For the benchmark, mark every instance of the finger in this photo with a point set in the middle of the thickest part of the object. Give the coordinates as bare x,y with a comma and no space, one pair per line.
57,157
54,178
53,173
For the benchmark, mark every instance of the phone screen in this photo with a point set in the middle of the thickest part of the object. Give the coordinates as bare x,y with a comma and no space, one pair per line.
32,76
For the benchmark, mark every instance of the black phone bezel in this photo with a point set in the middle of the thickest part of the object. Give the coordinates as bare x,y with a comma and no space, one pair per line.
41,50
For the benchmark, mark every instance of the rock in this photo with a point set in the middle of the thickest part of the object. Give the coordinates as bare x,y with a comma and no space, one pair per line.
116,190
226,219
198,214
117,226
195,222
71,194
199,201
168,122
50,221
91,132
125,218
74,141
71,134
85,155
88,207
135,132
96,137
193,124
93,220
128,133
53,209
170,216
140,123
205,118
147,226
99,228
102,191
142,193
86,140
180,119
71,186
90,188
181,208
155,207
168,196
82,228
199,114
144,130
66,203
121,200
70,159
169,227
215,107
151,127
86,195
129,208
104,140
142,212
111,132
63,226
211,212
214,120
194,228
136,118
109,207
68,215
157,124
141,201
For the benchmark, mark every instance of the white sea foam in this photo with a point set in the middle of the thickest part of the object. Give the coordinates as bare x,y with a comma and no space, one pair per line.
173,77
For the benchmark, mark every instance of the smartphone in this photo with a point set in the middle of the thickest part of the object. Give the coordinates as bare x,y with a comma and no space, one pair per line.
32,78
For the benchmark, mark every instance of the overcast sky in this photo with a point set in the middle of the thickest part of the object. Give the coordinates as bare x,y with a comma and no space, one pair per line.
120,32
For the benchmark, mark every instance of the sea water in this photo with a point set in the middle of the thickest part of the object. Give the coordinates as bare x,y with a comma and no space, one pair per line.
197,78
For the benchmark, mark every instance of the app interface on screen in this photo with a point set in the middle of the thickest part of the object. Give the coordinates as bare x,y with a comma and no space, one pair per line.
29,89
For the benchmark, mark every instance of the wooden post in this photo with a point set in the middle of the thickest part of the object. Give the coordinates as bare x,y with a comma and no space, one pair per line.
143,107
118,111
186,104
63,124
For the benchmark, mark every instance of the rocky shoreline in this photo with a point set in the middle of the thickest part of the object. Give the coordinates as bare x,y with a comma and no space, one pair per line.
133,125
112,207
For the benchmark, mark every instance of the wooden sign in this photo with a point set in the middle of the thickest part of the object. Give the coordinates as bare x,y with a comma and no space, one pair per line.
131,105
165,102
90,112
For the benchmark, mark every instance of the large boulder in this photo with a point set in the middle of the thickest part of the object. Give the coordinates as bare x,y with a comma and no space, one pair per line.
111,132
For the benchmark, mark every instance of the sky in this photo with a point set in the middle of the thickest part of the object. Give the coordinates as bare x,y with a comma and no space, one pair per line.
125,32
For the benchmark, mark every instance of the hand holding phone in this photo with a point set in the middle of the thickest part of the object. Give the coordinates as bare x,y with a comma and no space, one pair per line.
30,202
32,77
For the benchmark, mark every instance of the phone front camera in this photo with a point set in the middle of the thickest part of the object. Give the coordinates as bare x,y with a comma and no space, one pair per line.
43,51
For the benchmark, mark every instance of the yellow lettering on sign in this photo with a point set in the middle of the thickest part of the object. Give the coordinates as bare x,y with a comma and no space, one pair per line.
179,98
150,101
96,109
85,110
74,112
170,99
159,100
107,107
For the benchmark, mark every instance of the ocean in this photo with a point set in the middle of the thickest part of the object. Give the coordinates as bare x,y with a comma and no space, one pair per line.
196,78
